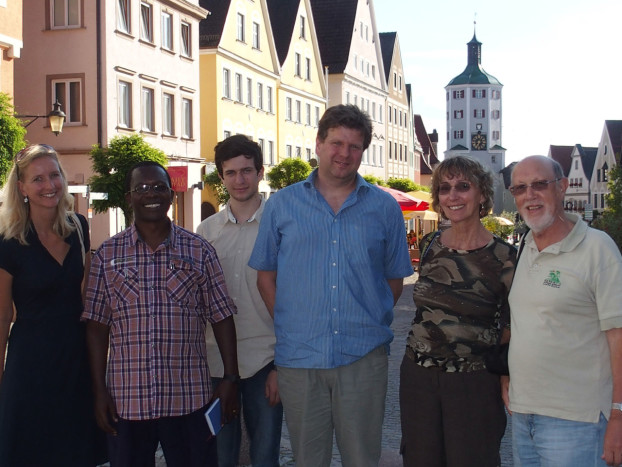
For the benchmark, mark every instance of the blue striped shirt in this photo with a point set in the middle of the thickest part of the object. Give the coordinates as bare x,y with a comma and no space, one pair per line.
333,302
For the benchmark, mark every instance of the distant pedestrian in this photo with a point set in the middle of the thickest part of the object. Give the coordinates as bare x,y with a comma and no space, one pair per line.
331,256
152,290
451,407
46,407
232,232
565,390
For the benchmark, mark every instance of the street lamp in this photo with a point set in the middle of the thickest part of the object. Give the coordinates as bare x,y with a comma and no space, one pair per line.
56,118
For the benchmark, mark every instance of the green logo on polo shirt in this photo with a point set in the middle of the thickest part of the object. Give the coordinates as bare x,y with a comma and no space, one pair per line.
553,280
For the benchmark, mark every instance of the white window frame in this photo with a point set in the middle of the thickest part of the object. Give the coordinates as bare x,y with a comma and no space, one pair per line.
297,65
124,100
288,108
308,115
303,30
167,31
146,22
271,152
249,92
241,32
186,118
68,20
185,39
298,111
308,69
226,83
168,114
256,36
270,99
260,96
238,87
147,109
124,16
73,111
288,151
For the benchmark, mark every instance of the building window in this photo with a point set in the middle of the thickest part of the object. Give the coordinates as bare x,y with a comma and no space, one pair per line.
380,113
347,97
269,90
298,152
458,134
68,92
605,175
288,151
373,71
226,134
249,91
495,114
479,113
380,155
288,108
297,65
493,159
125,104
241,34
186,118
458,114
390,151
167,31
238,87
390,114
373,110
226,83
260,96
271,152
459,94
262,145
303,31
400,82
308,109
298,112
401,157
317,115
356,62
496,94
65,14
146,22
168,121
256,36
479,93
186,48
147,109
394,80
308,69
495,135
123,16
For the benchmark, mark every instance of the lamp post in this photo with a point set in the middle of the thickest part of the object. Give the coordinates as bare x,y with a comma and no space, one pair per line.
56,118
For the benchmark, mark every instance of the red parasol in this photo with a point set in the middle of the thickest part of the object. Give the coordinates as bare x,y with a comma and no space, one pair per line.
407,203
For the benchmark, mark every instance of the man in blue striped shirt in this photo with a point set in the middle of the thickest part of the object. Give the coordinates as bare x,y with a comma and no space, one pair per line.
331,256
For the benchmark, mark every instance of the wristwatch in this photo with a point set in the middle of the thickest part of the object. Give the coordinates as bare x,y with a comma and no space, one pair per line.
616,406
233,378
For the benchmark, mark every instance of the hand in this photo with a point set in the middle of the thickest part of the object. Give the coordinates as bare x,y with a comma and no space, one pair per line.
105,412
612,454
505,392
229,400
272,389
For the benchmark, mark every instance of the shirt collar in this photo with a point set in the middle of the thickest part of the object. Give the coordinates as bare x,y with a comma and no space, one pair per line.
170,240
256,215
361,183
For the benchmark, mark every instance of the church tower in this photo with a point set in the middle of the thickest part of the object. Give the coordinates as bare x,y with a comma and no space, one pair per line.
474,115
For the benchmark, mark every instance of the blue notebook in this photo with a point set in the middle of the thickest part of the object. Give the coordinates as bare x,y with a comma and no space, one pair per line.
213,417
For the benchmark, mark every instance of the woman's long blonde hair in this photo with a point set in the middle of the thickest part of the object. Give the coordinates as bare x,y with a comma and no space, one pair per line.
15,213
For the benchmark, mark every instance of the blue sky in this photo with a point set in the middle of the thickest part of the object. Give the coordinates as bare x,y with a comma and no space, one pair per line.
560,63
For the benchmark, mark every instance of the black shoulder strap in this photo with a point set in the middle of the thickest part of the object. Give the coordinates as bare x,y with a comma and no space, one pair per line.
426,243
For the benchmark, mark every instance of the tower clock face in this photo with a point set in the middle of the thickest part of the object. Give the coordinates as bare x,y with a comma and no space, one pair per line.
478,141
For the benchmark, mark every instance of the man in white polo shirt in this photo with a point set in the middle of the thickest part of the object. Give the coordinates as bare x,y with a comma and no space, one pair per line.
565,390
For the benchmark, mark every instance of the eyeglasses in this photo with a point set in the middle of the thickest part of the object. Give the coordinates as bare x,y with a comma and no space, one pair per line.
144,188
460,187
539,185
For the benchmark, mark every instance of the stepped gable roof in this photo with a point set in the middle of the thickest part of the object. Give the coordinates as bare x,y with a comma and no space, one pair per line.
588,159
387,46
210,28
283,16
474,73
562,154
614,128
506,172
334,26
428,157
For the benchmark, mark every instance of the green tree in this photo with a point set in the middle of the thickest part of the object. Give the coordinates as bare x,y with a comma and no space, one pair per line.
111,165
288,172
374,180
610,220
213,180
11,136
405,185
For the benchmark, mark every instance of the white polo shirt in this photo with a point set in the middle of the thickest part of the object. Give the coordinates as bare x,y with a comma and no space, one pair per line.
562,300
253,324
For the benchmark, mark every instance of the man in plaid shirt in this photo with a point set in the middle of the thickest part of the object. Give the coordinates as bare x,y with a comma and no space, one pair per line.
152,290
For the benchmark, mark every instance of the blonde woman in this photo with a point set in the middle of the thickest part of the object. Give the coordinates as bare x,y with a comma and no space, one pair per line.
46,414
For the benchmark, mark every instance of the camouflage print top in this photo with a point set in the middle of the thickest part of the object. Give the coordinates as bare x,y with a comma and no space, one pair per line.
462,302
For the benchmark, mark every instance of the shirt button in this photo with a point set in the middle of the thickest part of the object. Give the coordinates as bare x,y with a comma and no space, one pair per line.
334,264
336,332
334,286
334,241
335,309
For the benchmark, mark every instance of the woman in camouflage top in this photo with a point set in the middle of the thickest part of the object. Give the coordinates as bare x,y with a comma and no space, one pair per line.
451,408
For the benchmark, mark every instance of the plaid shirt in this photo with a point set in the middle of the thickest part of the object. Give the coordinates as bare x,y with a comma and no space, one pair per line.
157,304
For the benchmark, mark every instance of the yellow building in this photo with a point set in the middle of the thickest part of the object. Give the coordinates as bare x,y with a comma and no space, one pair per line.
301,93
239,74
